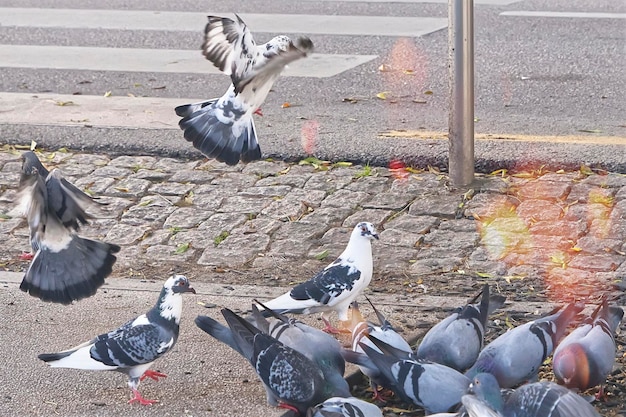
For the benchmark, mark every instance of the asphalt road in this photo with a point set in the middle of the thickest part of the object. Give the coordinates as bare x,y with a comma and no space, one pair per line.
536,76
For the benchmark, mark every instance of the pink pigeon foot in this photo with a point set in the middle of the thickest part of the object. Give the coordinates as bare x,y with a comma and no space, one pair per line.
289,407
155,375
26,256
259,112
137,397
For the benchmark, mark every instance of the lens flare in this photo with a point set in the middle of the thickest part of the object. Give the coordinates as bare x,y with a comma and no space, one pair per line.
308,136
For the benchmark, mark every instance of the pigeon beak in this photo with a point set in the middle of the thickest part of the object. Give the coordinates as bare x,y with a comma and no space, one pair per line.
375,235
191,290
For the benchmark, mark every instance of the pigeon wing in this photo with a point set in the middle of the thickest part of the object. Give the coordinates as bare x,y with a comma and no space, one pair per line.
329,286
227,43
135,343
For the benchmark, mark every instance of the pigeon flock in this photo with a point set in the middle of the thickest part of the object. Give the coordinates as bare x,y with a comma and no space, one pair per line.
449,373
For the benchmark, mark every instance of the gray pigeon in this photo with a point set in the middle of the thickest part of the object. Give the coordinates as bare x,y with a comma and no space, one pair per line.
432,386
539,399
65,267
223,128
457,340
291,380
318,346
586,356
385,332
132,348
337,285
345,407
516,356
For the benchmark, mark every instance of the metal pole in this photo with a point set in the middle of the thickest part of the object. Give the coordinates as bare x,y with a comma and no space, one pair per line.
461,122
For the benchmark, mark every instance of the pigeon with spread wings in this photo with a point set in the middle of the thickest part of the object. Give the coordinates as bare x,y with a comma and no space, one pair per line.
223,128
65,266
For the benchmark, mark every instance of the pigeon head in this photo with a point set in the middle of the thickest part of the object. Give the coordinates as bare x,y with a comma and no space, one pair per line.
278,44
31,165
366,230
485,387
572,366
170,304
178,284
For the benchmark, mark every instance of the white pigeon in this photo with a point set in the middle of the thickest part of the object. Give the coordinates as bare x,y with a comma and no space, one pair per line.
223,128
337,285
133,347
65,267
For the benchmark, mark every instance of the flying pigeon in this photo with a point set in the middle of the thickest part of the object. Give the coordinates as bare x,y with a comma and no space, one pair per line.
223,128
385,332
345,407
516,356
337,285
586,356
539,399
316,345
132,348
291,380
65,267
432,386
457,340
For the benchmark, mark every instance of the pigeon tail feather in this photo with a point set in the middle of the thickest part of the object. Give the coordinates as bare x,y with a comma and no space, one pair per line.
71,274
227,142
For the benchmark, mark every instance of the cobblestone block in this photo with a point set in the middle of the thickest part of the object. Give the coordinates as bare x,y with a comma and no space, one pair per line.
128,188
290,248
374,216
258,225
390,201
122,234
489,206
236,251
170,188
195,238
9,225
566,229
243,204
109,171
544,190
371,185
298,230
85,158
151,209
267,191
110,206
296,180
187,217
134,162
167,253
441,205
264,169
345,198
606,262
9,179
294,204
621,194
428,266
413,224
611,180
222,222
93,185
234,180
193,176
395,237
592,244
393,260
14,167
532,211
451,240
156,237
175,165
459,225
151,175
418,185
584,193
325,217
327,181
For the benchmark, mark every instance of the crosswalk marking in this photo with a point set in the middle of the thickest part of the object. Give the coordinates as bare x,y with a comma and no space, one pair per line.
192,21
579,15
155,60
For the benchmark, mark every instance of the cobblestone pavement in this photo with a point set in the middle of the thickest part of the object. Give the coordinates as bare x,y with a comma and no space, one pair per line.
268,220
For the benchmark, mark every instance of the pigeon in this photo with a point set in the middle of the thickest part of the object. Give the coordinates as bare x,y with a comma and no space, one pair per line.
223,128
457,340
133,347
345,407
65,266
291,380
539,399
384,332
316,345
585,357
432,386
337,285
516,356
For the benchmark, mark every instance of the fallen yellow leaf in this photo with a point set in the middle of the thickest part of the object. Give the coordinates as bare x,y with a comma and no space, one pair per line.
382,95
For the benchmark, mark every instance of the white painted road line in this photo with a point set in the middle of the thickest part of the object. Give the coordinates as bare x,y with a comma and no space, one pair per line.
195,22
578,15
155,60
